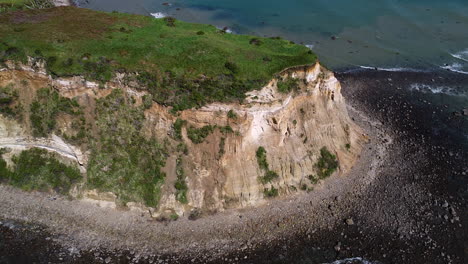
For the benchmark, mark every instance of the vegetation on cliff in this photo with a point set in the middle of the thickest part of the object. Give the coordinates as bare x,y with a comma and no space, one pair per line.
177,65
123,159
37,169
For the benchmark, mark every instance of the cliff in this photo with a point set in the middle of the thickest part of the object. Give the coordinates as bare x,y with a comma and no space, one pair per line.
222,155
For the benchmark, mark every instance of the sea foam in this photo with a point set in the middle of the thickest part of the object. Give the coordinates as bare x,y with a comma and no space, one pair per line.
353,260
158,15
424,88
462,55
455,67
396,69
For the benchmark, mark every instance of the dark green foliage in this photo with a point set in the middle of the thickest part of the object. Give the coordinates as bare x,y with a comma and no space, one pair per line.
178,124
263,164
8,97
200,33
288,85
327,163
261,158
147,101
269,176
123,160
170,21
45,108
272,192
174,217
313,179
37,169
180,184
99,70
226,129
348,146
231,114
181,147
198,135
256,42
232,67
222,143
5,173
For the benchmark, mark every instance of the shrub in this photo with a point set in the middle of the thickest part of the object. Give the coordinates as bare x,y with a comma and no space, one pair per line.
232,67
180,184
272,192
37,169
147,101
261,158
327,163
200,33
231,114
269,176
45,108
226,129
170,21
198,135
348,146
288,85
123,159
178,124
256,42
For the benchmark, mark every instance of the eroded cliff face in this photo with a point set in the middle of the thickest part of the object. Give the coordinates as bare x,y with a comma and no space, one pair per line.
223,170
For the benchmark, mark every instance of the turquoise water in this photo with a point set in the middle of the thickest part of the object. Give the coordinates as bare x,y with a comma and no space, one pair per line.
393,34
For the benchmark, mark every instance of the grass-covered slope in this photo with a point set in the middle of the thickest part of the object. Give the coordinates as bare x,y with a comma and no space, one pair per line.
182,64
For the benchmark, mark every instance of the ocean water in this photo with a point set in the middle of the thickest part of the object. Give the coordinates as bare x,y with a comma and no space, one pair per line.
389,34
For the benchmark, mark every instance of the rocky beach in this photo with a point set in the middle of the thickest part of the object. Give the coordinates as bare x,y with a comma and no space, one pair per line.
403,202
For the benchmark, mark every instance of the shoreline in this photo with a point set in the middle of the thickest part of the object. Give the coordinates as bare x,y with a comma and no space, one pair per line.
240,225
405,203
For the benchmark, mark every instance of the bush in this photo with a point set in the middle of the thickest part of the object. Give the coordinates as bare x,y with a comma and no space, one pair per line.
123,159
269,176
198,135
256,42
231,114
37,169
226,129
288,85
180,184
170,21
261,158
178,124
272,192
45,108
327,163
147,101
232,67
200,33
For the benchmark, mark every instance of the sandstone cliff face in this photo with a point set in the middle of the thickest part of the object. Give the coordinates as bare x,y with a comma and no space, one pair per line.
222,171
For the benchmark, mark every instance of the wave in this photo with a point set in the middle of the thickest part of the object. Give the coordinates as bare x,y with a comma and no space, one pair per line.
310,46
462,55
424,88
396,69
158,15
455,67
356,260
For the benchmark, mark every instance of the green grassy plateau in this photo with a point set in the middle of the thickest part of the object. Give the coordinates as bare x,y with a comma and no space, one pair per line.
181,64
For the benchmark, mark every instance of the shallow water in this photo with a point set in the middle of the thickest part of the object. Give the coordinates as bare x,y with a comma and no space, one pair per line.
421,34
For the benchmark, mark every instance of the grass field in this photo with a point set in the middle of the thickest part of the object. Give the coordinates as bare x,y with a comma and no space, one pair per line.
182,64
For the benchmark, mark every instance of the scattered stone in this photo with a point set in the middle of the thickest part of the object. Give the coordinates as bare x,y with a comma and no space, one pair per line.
338,247
349,221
